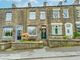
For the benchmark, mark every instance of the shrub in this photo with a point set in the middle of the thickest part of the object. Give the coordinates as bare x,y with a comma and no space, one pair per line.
76,34
65,37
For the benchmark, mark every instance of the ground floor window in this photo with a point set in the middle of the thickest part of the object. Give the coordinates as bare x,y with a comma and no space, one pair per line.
7,32
32,30
56,29
78,27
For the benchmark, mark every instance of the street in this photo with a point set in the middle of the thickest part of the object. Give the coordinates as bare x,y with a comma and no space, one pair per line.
63,53
60,58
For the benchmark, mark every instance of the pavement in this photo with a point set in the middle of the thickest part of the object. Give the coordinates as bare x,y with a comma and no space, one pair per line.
40,53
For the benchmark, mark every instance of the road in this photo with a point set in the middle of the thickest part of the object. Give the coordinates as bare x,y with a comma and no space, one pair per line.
57,58
63,53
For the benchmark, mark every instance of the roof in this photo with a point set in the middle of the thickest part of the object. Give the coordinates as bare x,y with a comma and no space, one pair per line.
38,7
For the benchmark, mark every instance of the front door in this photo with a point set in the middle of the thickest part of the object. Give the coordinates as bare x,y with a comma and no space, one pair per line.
19,30
18,34
43,33
69,30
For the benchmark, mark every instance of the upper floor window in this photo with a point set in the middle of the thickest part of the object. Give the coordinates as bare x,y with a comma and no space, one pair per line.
8,16
65,13
78,13
42,15
32,15
56,13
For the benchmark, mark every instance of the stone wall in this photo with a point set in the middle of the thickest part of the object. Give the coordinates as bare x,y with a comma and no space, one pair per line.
63,42
5,45
26,45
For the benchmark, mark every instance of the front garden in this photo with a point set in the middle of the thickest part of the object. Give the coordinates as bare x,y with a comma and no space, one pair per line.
26,43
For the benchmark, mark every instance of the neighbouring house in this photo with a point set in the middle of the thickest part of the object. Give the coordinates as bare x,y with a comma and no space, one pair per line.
41,23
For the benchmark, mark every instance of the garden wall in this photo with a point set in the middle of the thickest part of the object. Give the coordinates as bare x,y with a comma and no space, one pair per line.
26,45
5,45
63,42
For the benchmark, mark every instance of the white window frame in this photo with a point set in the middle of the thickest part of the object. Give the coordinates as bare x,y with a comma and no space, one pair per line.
69,26
57,13
42,15
18,27
32,15
78,13
78,26
5,29
9,16
31,28
59,29
67,13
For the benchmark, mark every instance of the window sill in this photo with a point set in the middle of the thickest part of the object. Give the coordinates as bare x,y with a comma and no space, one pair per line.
56,35
7,37
32,35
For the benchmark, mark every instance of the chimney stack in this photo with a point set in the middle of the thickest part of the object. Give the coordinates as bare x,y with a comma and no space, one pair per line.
45,3
13,6
29,4
76,2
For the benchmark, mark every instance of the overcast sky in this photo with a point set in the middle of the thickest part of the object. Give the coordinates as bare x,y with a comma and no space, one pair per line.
23,3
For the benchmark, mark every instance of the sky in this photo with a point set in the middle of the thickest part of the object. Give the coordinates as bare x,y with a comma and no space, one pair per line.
23,3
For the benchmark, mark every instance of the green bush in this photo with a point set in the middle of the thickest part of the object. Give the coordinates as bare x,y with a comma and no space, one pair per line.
76,34
65,37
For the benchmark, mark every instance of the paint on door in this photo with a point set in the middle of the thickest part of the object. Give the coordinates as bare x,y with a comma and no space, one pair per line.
43,33
69,30
19,30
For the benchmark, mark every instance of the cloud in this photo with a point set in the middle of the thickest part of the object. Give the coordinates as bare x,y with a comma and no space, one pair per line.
16,0
24,3
54,0
33,1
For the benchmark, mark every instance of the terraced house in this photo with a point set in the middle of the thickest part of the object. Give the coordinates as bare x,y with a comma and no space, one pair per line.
41,23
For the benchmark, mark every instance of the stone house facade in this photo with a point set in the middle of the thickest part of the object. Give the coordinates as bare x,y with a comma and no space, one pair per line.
41,23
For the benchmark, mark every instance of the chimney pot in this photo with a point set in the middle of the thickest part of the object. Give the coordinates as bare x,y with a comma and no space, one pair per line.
45,3
29,4
13,5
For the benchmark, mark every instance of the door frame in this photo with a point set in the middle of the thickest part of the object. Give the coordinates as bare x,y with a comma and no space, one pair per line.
18,27
70,28
43,27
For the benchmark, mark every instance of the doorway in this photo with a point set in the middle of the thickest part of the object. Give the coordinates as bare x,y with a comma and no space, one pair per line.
43,33
69,30
19,30
18,34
